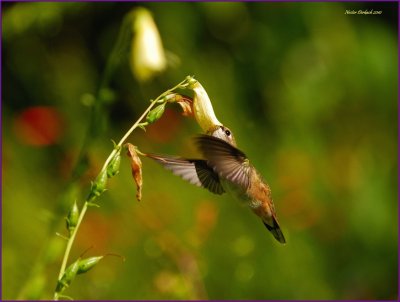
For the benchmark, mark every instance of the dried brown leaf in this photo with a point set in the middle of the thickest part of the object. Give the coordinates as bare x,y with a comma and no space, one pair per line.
136,166
186,105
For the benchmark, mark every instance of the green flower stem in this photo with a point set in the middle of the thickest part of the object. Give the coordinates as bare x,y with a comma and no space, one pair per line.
88,201
114,60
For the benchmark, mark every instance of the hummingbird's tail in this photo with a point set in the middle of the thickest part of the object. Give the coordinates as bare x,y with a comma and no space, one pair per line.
275,230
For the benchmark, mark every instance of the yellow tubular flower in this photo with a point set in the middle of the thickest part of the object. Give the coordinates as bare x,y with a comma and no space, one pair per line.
203,110
147,52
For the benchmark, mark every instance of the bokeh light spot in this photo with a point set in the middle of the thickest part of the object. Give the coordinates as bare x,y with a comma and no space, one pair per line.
38,126
243,246
244,272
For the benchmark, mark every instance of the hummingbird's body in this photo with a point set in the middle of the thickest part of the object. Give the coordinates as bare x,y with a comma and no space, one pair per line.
226,169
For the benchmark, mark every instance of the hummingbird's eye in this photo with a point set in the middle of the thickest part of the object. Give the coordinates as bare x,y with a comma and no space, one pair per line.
227,132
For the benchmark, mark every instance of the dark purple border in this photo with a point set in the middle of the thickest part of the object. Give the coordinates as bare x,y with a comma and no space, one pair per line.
143,1
398,153
1,148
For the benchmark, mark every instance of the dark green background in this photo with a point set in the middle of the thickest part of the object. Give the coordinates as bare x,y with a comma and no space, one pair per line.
311,96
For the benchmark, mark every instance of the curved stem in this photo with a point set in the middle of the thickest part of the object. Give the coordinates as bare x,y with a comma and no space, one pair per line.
71,239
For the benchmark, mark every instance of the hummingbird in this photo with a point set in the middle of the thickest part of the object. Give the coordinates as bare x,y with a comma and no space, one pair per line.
226,169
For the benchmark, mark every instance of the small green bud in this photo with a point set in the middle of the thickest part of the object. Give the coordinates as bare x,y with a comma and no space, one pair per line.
87,264
113,166
190,82
72,218
68,277
172,97
99,186
155,114
143,126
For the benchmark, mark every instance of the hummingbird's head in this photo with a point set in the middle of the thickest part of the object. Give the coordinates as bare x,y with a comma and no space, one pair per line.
223,133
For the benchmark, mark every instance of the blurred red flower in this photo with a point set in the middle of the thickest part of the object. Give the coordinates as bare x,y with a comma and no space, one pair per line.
38,126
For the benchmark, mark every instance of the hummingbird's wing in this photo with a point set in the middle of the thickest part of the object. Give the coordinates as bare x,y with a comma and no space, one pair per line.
196,171
228,161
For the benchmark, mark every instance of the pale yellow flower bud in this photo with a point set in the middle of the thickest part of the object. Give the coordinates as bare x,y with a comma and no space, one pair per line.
203,110
147,52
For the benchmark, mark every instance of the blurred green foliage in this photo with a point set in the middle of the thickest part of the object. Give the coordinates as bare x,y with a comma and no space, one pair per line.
311,95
